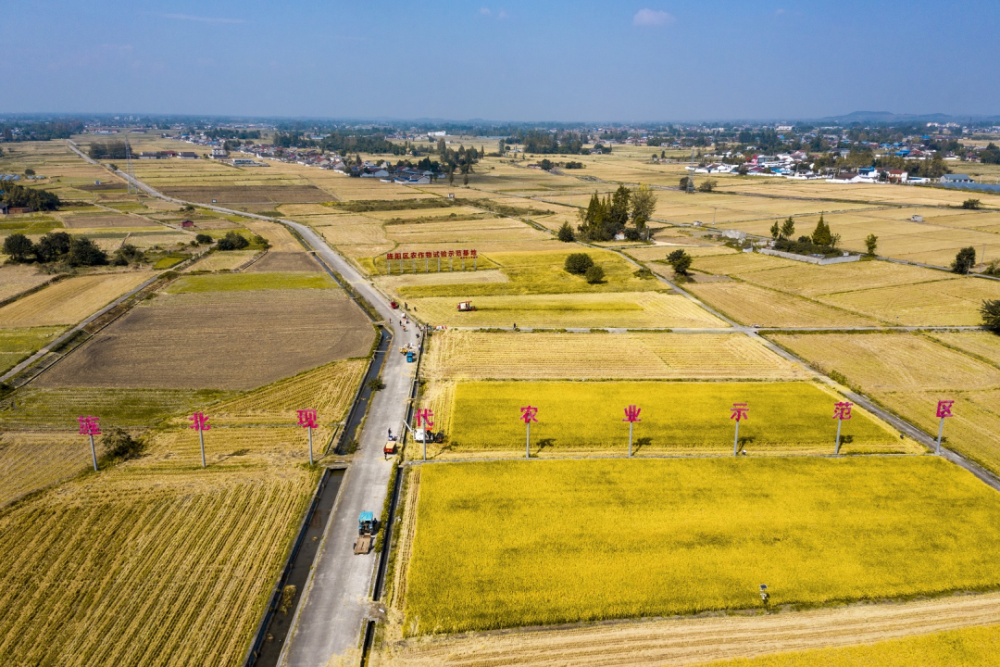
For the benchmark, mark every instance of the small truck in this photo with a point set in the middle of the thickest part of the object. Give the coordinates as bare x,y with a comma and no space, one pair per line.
367,527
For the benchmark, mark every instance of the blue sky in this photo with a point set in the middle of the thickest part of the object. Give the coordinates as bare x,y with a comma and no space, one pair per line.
502,60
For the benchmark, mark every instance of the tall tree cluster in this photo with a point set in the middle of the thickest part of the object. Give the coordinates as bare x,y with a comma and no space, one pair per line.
607,216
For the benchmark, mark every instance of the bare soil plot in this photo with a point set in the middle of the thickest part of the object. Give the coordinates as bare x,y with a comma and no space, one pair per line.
525,356
625,309
231,340
221,261
749,304
285,262
277,235
70,300
698,640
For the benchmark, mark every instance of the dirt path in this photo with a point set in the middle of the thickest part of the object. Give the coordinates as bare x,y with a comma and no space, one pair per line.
692,641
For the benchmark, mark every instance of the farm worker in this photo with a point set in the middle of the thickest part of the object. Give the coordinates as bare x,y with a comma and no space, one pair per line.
390,434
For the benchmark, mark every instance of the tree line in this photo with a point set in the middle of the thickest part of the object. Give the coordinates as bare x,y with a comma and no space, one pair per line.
16,195
107,150
60,247
605,217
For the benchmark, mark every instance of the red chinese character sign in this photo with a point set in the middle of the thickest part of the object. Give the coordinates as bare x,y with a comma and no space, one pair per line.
307,419
943,411
631,416
199,422
90,426
841,411
738,412
450,255
424,417
528,414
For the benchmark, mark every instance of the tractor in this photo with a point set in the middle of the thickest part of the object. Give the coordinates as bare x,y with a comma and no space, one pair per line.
367,527
465,307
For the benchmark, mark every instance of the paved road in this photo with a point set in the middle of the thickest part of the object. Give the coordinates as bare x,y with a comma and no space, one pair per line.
336,600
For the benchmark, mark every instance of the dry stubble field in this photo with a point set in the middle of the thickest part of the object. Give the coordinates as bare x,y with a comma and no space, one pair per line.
70,300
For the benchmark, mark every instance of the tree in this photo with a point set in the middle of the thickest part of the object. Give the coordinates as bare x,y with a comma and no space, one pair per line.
619,208
643,204
84,252
566,234
964,260
29,172
595,274
681,261
683,183
821,235
578,263
52,246
232,241
19,248
788,228
707,186
451,174
871,242
118,444
968,203
990,310
203,239
128,254
465,178
775,230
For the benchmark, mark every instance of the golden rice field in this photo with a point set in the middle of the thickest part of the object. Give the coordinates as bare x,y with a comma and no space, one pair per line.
969,647
942,303
677,417
33,460
17,278
909,374
623,310
464,231
547,542
478,355
127,567
70,300
750,304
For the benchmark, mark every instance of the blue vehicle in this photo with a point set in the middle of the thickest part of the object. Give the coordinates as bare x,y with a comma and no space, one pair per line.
367,527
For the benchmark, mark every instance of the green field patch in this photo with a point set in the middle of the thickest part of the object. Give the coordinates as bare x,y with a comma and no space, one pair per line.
676,416
18,344
508,544
31,407
30,226
169,261
243,282
545,273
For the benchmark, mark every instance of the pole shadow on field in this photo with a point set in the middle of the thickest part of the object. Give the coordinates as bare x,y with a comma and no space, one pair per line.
640,443
543,443
744,441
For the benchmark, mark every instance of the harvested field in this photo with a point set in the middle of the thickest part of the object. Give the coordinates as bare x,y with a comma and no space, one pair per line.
33,461
247,194
444,278
17,278
233,340
909,373
749,304
542,540
899,630
980,344
784,418
222,261
629,309
96,221
355,234
277,235
464,231
65,606
527,356
285,262
940,303
70,300
273,447
814,281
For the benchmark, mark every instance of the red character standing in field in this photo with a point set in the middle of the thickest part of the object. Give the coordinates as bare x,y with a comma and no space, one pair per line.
739,412
90,426
631,416
424,417
943,411
199,422
307,419
528,415
841,411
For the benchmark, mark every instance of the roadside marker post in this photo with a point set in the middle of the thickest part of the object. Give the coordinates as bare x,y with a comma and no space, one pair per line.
943,410
528,414
199,422
631,416
90,426
841,411
307,419
739,412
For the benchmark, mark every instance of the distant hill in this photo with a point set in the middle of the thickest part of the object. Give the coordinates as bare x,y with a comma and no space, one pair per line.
890,117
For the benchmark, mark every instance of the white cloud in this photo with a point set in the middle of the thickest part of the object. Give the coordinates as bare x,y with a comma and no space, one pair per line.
652,17
485,11
779,12
502,15
201,19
